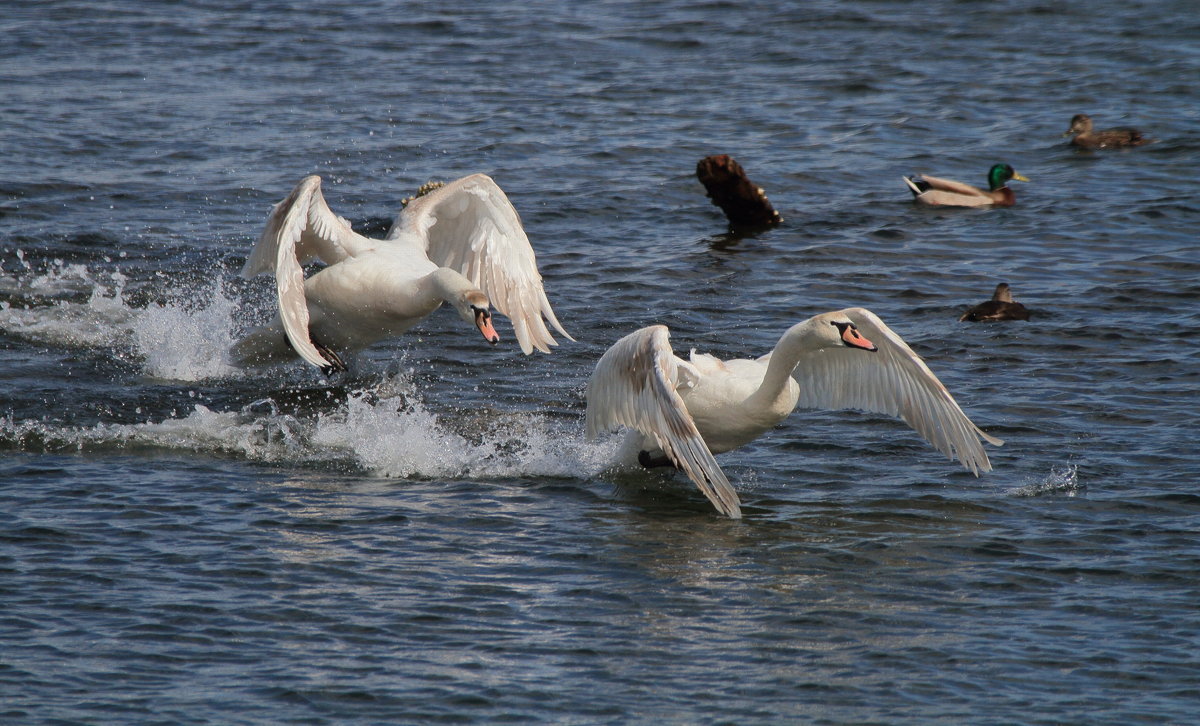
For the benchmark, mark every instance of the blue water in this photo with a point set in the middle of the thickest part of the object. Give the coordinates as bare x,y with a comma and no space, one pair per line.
431,539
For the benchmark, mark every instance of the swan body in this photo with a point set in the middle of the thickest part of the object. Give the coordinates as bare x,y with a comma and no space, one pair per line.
461,244
1000,307
1085,136
937,192
687,411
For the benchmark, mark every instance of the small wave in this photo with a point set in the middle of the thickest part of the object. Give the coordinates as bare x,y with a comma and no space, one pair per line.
1063,481
257,438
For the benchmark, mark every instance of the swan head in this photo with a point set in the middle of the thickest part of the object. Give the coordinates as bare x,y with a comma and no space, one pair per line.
850,337
474,307
829,331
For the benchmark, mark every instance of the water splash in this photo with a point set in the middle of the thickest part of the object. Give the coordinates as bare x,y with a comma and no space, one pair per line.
391,433
385,430
185,339
57,278
273,438
1060,481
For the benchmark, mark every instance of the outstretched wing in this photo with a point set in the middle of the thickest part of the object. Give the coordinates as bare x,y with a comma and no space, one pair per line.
300,228
893,381
634,385
470,226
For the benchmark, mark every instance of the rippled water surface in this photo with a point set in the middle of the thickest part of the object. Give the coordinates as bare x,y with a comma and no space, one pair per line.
432,539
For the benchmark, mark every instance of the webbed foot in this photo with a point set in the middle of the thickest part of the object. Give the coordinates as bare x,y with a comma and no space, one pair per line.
336,365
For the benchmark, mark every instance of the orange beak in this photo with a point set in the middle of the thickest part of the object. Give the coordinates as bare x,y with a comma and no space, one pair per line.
852,338
483,321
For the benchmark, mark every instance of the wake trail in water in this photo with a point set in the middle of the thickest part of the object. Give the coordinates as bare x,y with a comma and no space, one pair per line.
384,430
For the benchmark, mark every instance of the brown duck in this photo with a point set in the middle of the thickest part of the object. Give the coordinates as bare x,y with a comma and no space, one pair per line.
938,192
1000,307
1086,137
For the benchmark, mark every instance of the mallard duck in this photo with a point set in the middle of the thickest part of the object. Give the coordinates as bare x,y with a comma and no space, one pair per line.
1000,307
1081,126
938,192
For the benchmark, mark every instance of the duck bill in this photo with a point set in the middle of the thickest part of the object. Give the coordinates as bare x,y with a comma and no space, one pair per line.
483,321
1019,177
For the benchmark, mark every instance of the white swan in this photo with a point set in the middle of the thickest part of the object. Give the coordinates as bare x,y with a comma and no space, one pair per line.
683,412
462,243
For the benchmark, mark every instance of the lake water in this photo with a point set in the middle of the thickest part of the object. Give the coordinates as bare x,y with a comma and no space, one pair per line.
432,540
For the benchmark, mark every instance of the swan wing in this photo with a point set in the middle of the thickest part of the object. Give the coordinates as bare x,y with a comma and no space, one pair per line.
308,228
634,385
470,226
300,228
893,381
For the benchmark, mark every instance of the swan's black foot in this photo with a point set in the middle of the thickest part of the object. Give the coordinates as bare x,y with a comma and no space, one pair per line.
335,361
336,365
650,462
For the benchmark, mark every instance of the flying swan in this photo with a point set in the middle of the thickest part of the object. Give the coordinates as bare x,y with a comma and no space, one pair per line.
683,412
462,244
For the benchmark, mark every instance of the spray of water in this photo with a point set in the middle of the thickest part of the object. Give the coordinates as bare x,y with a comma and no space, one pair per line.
187,342
1059,481
186,339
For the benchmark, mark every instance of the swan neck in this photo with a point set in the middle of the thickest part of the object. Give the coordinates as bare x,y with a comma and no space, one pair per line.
784,359
449,285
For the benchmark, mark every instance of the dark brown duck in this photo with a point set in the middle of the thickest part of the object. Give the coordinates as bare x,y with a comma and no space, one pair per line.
1088,138
1000,307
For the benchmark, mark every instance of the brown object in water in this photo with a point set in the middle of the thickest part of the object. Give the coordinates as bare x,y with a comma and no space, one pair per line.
1087,137
1000,307
744,203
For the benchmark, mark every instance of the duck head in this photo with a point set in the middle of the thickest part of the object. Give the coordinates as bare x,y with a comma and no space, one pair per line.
1000,174
1080,124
